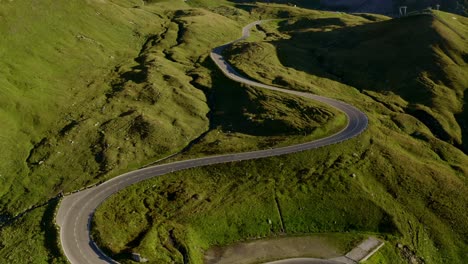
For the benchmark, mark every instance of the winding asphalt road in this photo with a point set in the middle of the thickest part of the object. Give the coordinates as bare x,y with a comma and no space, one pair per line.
76,211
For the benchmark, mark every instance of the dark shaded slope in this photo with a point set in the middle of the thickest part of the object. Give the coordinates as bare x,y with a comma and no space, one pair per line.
421,58
388,7
364,6
301,3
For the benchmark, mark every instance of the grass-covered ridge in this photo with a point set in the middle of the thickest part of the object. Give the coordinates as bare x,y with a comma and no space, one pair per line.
399,179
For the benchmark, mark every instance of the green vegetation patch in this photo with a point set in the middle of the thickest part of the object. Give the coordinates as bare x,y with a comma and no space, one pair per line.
33,238
56,65
221,204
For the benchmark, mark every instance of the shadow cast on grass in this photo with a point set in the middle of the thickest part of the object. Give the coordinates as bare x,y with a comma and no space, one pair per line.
52,236
365,56
231,102
400,56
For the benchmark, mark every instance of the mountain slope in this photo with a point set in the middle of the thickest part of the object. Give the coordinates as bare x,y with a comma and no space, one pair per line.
397,180
74,84
388,7
421,58
88,94
92,89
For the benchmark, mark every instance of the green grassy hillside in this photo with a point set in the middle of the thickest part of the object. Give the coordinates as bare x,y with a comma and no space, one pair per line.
92,89
428,70
400,180
89,94
57,65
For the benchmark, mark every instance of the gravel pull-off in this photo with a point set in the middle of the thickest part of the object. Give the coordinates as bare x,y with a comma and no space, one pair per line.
362,252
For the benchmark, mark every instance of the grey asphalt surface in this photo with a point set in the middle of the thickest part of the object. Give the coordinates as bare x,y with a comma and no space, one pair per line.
304,261
75,213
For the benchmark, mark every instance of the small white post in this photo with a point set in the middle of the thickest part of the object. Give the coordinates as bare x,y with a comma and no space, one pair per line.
403,10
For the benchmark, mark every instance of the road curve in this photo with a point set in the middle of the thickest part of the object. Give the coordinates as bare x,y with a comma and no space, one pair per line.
76,211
